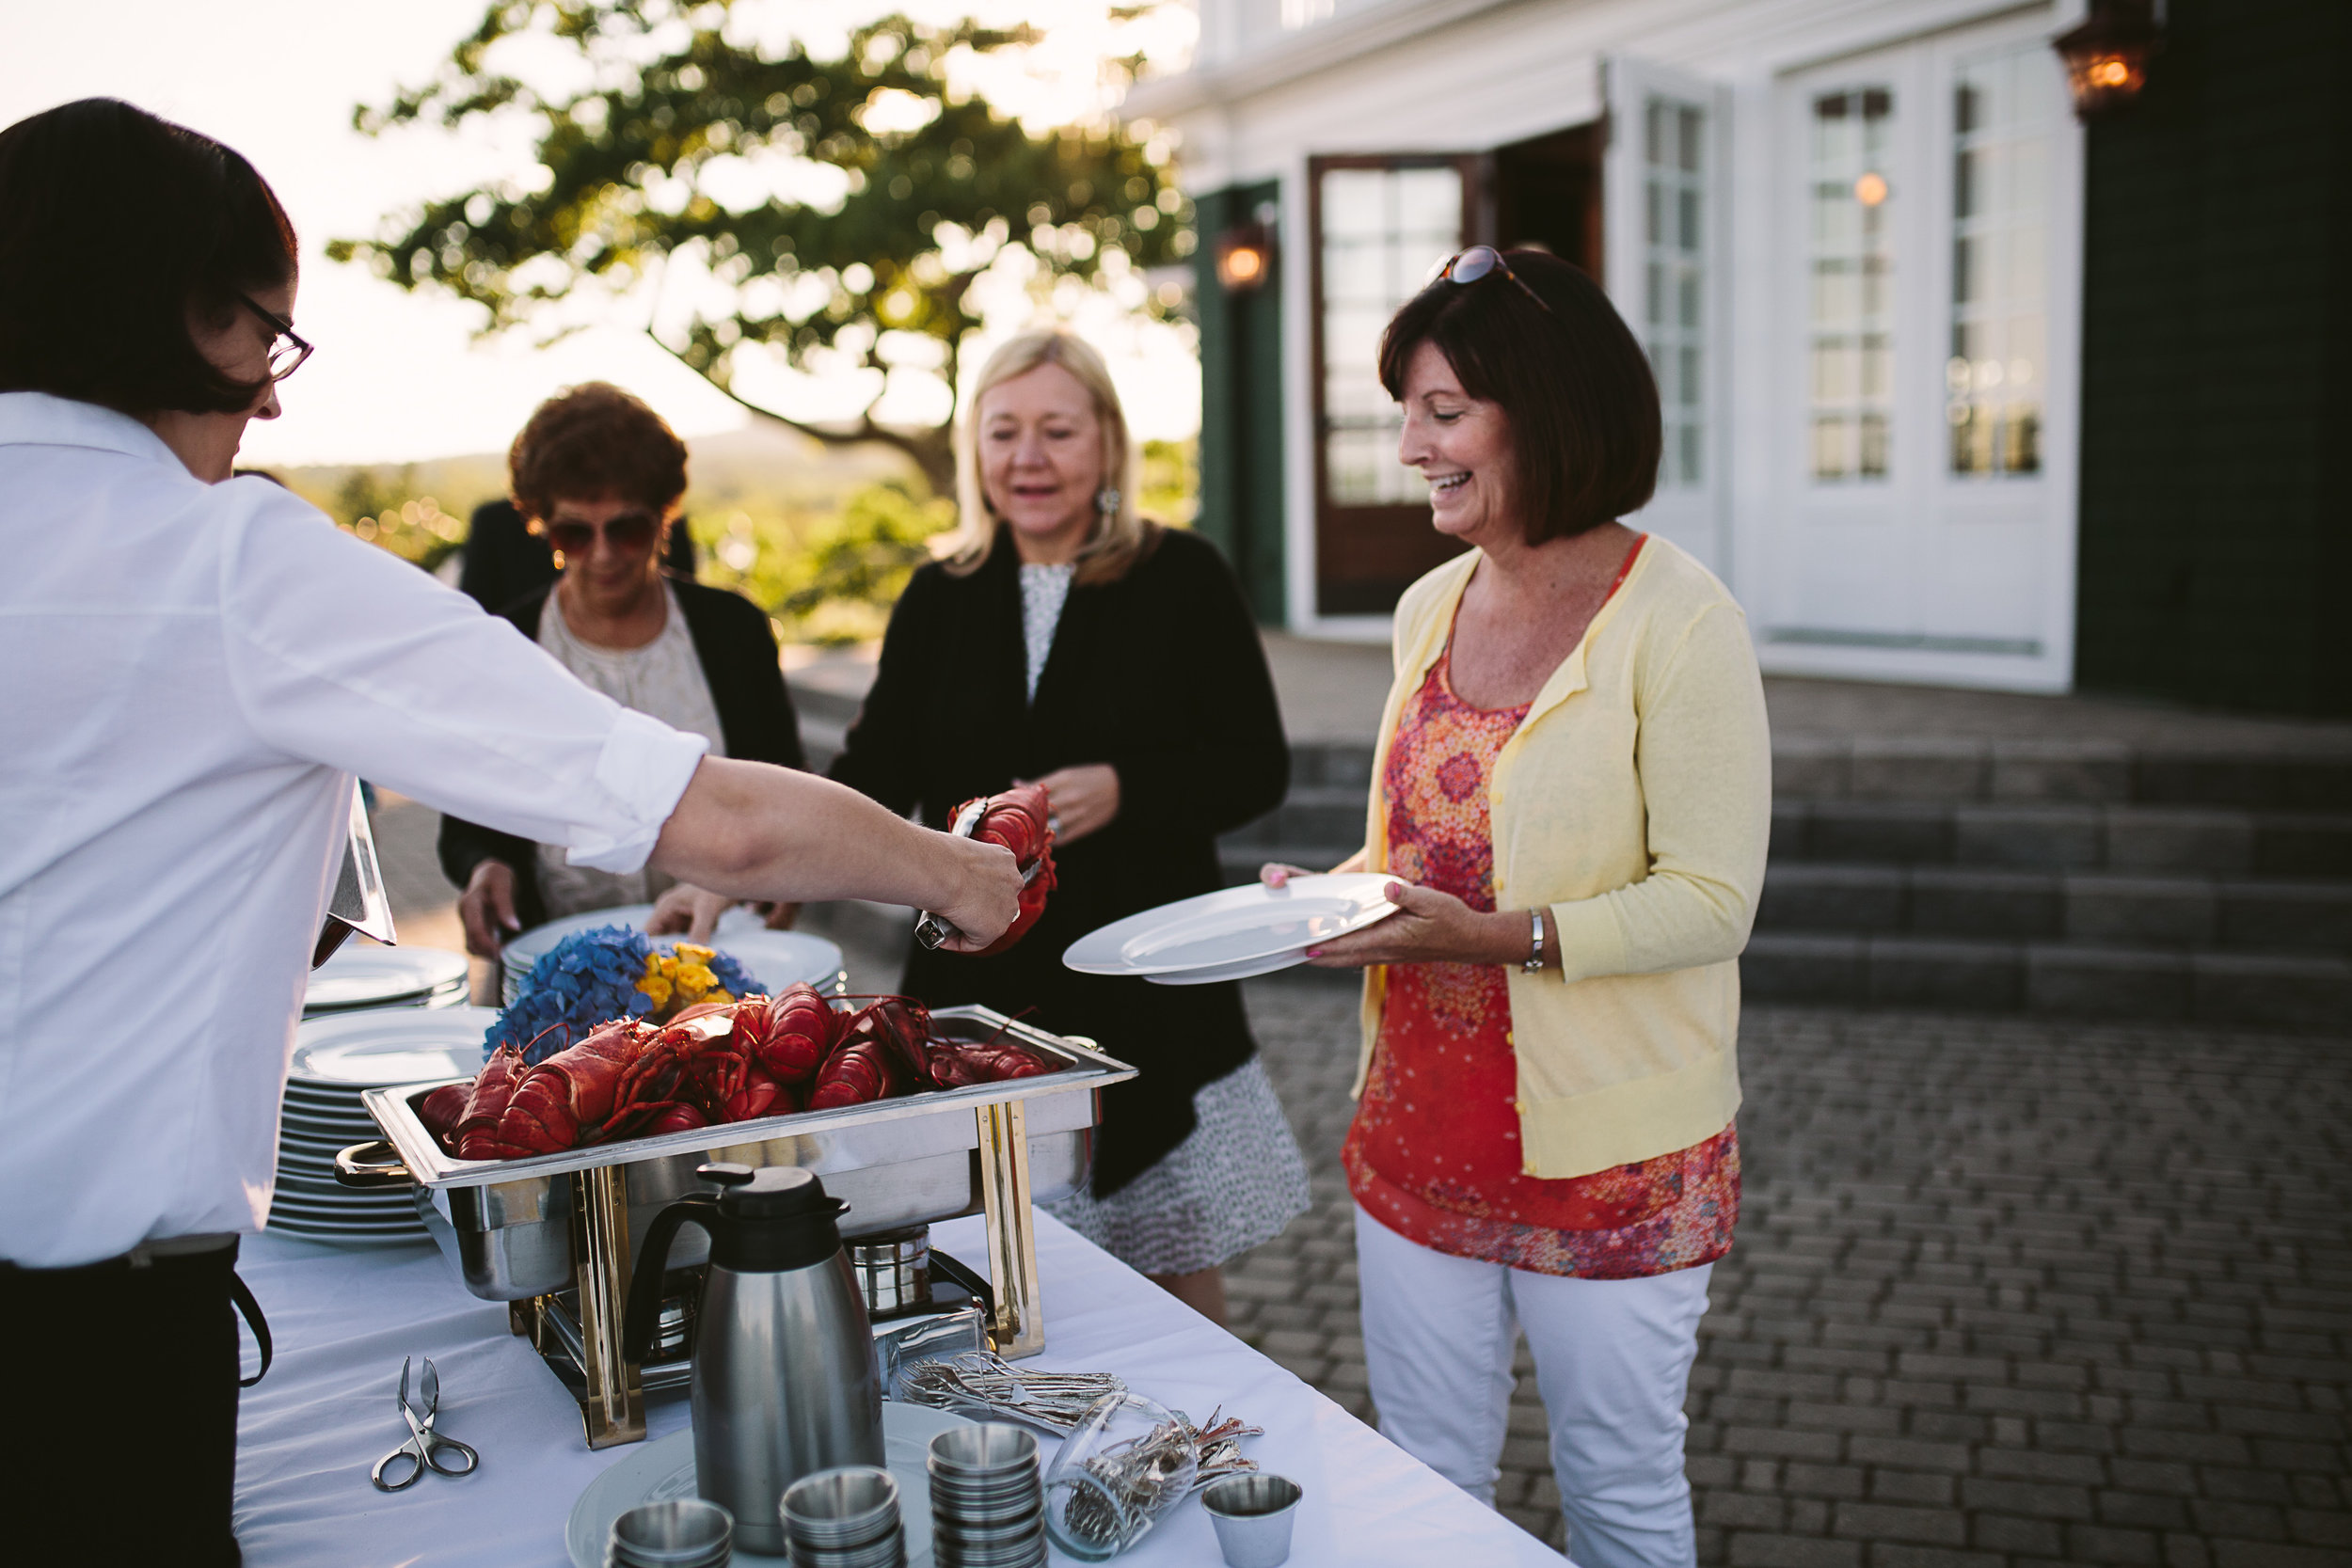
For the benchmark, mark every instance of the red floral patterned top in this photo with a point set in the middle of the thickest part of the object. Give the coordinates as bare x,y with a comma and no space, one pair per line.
1434,1153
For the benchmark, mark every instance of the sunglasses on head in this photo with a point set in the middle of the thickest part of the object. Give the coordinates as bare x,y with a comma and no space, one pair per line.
1469,266
629,532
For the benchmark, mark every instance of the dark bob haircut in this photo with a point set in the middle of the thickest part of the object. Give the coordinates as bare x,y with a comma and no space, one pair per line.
114,226
1575,385
594,440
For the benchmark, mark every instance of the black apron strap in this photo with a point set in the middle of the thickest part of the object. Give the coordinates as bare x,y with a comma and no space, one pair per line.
250,1310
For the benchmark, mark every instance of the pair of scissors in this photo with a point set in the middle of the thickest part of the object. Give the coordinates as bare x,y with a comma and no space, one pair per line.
425,1447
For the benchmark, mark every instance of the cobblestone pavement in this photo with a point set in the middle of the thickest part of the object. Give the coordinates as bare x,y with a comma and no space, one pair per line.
2005,1292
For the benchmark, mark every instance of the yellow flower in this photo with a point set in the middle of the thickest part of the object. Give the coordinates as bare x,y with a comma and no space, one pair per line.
657,986
720,995
689,952
695,978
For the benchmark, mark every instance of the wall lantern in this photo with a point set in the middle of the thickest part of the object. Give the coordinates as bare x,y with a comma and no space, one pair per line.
2106,58
1245,257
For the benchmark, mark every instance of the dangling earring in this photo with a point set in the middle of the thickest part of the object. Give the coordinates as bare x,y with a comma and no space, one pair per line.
1107,500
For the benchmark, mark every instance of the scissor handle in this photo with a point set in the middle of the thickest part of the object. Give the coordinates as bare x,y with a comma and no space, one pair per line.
387,1465
435,1443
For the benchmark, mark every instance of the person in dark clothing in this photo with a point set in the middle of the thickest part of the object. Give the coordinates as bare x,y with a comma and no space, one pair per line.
1114,661
600,475
505,561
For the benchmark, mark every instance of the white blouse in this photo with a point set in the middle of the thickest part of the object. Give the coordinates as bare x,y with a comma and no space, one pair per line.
1044,591
195,673
663,680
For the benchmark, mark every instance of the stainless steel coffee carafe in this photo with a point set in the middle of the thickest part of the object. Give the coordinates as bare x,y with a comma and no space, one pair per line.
785,1381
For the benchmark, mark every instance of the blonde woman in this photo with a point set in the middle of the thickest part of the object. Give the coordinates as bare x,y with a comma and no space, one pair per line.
1063,639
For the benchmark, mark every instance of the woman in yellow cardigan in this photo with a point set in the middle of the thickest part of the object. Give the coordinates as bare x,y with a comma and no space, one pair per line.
1573,789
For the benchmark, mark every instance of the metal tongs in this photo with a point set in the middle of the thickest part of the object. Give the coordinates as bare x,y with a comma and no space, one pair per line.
930,930
425,1445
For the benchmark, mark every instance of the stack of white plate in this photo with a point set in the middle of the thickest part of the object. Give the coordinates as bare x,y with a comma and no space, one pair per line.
335,1058
363,974
1234,933
774,958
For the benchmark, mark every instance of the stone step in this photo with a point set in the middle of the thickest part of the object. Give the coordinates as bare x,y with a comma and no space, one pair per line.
2211,841
2259,990
1311,814
2084,771
1997,772
2091,907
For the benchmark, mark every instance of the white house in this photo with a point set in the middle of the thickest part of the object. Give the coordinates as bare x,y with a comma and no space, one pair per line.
1851,233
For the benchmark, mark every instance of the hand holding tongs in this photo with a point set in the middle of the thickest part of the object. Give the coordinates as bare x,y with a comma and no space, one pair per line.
931,930
425,1447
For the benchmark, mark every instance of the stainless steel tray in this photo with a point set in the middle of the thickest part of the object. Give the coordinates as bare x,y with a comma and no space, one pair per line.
506,1224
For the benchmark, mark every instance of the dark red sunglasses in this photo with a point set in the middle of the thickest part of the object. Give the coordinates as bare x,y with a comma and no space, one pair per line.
629,533
1469,266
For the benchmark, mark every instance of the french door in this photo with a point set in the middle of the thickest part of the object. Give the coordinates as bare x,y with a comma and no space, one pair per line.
1928,219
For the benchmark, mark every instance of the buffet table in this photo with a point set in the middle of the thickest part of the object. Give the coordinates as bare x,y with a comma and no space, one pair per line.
342,1321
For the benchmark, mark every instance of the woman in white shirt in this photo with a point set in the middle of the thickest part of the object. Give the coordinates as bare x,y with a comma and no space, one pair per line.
199,666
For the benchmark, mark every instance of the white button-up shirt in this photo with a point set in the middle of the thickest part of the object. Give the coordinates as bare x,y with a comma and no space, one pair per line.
194,672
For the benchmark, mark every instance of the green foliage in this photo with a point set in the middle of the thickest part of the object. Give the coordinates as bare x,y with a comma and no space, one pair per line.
824,202
833,578
1171,482
383,506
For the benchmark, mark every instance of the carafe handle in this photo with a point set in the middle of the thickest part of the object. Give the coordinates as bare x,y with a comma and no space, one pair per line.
644,1288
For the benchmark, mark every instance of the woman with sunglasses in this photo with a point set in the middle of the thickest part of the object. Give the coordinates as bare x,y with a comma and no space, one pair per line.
1573,791
202,664
598,475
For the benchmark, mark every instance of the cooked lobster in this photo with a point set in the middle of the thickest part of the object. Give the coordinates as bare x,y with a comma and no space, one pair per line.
1020,819
713,1063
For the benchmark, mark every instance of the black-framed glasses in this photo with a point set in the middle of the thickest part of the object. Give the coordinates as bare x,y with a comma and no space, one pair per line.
629,532
1469,266
287,349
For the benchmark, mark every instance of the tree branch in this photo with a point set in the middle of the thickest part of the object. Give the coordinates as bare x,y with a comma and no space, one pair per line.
923,449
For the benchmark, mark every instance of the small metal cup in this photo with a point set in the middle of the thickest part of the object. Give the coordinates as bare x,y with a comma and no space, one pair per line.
1252,1514
684,1533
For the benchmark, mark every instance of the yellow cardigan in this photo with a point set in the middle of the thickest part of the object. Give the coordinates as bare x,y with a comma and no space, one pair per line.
1635,799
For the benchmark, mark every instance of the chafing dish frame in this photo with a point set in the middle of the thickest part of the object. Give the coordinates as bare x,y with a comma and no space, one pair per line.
571,1210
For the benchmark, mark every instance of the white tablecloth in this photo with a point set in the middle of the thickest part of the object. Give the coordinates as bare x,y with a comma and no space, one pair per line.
309,1432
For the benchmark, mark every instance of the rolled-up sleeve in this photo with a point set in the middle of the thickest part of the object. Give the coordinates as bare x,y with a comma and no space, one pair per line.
343,655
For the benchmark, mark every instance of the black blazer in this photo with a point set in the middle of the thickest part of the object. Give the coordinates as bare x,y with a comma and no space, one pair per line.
503,561
1159,674
737,649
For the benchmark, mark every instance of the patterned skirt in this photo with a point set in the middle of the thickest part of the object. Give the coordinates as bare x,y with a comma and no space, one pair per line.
1234,1182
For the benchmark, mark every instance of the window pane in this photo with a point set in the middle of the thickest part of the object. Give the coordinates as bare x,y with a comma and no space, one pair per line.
1674,197
1851,268
2004,109
1383,231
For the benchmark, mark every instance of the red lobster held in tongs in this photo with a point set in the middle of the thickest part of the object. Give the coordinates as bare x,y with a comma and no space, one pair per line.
1020,819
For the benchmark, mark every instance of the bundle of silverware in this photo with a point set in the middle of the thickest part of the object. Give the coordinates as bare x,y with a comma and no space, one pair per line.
1127,1465
986,1386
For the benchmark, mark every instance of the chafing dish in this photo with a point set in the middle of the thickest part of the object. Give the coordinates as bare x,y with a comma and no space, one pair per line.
522,1231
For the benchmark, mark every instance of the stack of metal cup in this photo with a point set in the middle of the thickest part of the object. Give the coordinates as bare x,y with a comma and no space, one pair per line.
844,1518
987,1505
686,1532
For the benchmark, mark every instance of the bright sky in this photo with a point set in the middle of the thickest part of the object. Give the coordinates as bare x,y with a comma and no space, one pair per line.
398,376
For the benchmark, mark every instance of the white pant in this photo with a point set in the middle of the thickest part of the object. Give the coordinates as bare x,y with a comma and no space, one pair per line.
1612,1358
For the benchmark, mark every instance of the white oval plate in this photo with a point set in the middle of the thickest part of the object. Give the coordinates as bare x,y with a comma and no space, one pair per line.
373,1050
774,958
373,976
665,1468
1227,930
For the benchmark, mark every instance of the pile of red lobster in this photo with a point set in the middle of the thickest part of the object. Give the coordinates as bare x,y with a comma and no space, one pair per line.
715,1063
